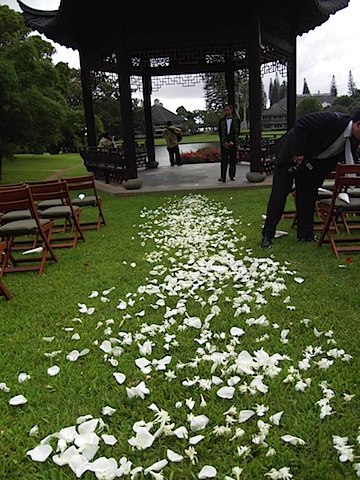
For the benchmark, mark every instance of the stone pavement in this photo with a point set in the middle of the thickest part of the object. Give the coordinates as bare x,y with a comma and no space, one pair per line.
184,179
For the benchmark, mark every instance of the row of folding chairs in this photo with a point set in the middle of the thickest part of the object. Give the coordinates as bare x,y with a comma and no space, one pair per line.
337,210
38,217
340,213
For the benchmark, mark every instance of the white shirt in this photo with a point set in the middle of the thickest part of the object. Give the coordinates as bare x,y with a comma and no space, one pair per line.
228,124
338,146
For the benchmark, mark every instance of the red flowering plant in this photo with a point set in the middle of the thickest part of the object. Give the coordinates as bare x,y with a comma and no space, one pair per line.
203,155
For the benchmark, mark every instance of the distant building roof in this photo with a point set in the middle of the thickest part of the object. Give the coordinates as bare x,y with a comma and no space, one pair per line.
280,108
325,99
162,115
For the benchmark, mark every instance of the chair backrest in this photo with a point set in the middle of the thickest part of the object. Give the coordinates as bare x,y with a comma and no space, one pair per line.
50,191
11,186
346,176
85,182
41,182
15,199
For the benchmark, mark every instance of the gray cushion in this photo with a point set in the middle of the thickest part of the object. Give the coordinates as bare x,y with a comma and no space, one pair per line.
58,212
353,206
56,202
21,227
15,215
85,202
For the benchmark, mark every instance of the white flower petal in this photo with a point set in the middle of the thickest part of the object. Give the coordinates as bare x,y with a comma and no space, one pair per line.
109,439
108,411
196,439
34,431
23,377
226,392
40,453
244,415
207,472
156,467
293,440
298,279
54,370
198,422
18,400
275,419
173,456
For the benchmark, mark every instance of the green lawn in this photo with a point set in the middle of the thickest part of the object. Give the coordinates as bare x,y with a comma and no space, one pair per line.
39,167
186,270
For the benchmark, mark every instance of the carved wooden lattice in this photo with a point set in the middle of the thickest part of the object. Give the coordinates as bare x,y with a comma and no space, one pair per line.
143,58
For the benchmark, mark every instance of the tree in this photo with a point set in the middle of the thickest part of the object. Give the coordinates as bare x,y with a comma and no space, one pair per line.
215,91
189,117
351,84
275,94
277,91
32,106
306,90
271,88
308,105
333,87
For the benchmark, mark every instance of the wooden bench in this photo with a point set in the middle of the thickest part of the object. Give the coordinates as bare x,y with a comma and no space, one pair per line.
267,155
109,164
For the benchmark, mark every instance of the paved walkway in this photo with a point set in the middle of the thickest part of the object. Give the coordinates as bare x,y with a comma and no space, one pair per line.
184,179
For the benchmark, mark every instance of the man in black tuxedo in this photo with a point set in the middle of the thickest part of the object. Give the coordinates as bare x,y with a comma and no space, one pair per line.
308,153
229,131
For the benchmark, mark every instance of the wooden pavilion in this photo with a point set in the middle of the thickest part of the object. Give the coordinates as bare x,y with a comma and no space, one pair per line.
134,39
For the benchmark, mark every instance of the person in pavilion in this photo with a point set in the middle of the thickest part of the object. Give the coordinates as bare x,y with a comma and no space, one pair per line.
229,131
107,141
171,135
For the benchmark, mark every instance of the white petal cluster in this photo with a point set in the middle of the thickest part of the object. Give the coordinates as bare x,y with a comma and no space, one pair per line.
200,270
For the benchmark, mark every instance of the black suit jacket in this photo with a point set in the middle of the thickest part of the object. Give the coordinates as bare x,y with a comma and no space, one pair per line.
311,135
234,131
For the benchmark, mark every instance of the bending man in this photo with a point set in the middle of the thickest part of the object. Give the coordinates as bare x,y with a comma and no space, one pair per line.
308,153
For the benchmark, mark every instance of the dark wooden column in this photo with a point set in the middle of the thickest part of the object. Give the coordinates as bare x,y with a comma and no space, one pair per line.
126,111
291,91
88,104
148,118
255,105
230,83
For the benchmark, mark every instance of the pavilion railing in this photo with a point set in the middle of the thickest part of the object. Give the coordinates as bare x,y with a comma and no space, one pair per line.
109,164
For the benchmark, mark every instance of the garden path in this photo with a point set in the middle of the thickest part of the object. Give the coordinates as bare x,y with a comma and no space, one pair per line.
57,173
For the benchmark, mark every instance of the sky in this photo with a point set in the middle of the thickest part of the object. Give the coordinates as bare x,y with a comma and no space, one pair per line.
323,52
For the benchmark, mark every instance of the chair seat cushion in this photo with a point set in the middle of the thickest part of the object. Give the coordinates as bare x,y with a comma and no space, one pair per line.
87,201
354,192
15,215
56,202
58,212
21,227
353,206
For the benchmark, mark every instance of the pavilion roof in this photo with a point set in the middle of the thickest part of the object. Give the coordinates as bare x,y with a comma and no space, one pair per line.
77,22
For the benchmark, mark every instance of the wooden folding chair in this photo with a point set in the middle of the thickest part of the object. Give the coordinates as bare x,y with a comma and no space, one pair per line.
64,211
20,199
332,209
83,184
3,290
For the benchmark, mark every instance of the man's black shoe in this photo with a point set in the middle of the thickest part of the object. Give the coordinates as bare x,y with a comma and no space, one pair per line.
232,178
308,239
266,242
222,180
